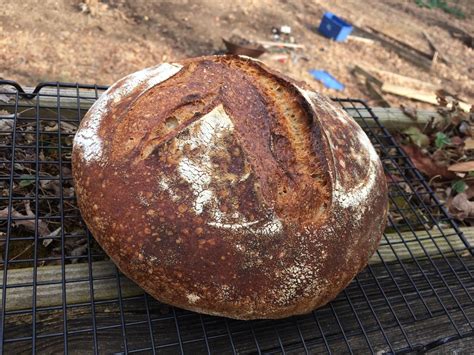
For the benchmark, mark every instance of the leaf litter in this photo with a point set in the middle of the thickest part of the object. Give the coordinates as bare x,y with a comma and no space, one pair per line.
444,154
37,188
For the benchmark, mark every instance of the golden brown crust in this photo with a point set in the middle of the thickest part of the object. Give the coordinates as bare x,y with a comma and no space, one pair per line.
222,187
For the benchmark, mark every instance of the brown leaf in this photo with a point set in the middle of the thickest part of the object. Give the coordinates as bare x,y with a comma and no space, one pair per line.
469,191
3,235
52,185
441,158
29,224
457,120
463,167
461,207
441,97
456,141
469,144
79,250
50,236
7,95
417,137
426,164
392,177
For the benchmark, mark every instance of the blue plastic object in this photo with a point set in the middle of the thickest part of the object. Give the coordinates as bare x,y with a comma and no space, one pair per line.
334,27
327,79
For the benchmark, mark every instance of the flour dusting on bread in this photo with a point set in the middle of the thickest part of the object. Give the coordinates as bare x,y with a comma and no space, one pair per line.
356,195
208,135
87,137
226,190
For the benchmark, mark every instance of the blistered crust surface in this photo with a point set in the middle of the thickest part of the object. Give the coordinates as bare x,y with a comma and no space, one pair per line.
221,187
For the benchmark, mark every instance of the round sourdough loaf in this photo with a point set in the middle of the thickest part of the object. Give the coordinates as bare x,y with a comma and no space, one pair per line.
223,187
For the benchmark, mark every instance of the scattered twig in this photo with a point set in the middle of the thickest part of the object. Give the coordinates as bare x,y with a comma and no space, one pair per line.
23,252
363,40
281,44
369,76
377,93
436,52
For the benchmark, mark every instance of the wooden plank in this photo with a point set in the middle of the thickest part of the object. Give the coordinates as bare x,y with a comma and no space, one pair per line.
391,118
418,95
105,287
421,244
401,49
78,286
373,84
111,341
459,33
401,78
395,119
461,346
402,44
414,94
48,98
434,48
366,73
424,330
376,92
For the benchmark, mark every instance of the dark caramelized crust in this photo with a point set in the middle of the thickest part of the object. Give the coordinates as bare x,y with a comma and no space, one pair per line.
222,187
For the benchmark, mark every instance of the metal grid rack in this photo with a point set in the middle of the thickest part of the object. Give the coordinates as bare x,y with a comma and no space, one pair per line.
415,294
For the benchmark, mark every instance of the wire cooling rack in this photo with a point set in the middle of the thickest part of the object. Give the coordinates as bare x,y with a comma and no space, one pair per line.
59,295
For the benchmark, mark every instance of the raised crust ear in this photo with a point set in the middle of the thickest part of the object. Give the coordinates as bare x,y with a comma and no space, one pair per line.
220,186
88,140
355,161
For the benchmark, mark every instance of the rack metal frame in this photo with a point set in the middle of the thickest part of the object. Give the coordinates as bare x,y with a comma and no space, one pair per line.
416,296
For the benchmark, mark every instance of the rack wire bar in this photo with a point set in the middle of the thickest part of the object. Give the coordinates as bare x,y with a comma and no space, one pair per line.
59,294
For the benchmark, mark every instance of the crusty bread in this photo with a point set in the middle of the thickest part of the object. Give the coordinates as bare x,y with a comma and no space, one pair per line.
220,186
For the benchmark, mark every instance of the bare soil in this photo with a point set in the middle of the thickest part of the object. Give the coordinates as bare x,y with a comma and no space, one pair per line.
99,42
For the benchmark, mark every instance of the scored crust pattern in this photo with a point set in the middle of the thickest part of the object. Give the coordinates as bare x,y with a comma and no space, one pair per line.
223,187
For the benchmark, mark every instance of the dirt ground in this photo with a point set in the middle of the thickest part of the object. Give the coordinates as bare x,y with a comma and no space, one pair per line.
99,42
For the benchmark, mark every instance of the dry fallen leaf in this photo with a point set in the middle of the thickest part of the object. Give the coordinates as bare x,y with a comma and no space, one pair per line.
3,235
456,141
50,236
469,191
29,223
463,167
7,95
469,144
79,250
417,137
426,164
441,158
65,128
461,207
6,122
51,185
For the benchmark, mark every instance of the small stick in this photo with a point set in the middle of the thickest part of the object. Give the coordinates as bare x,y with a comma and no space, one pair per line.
361,39
281,44
435,49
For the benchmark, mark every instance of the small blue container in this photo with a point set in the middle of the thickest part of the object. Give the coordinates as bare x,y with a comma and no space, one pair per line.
334,27
327,79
